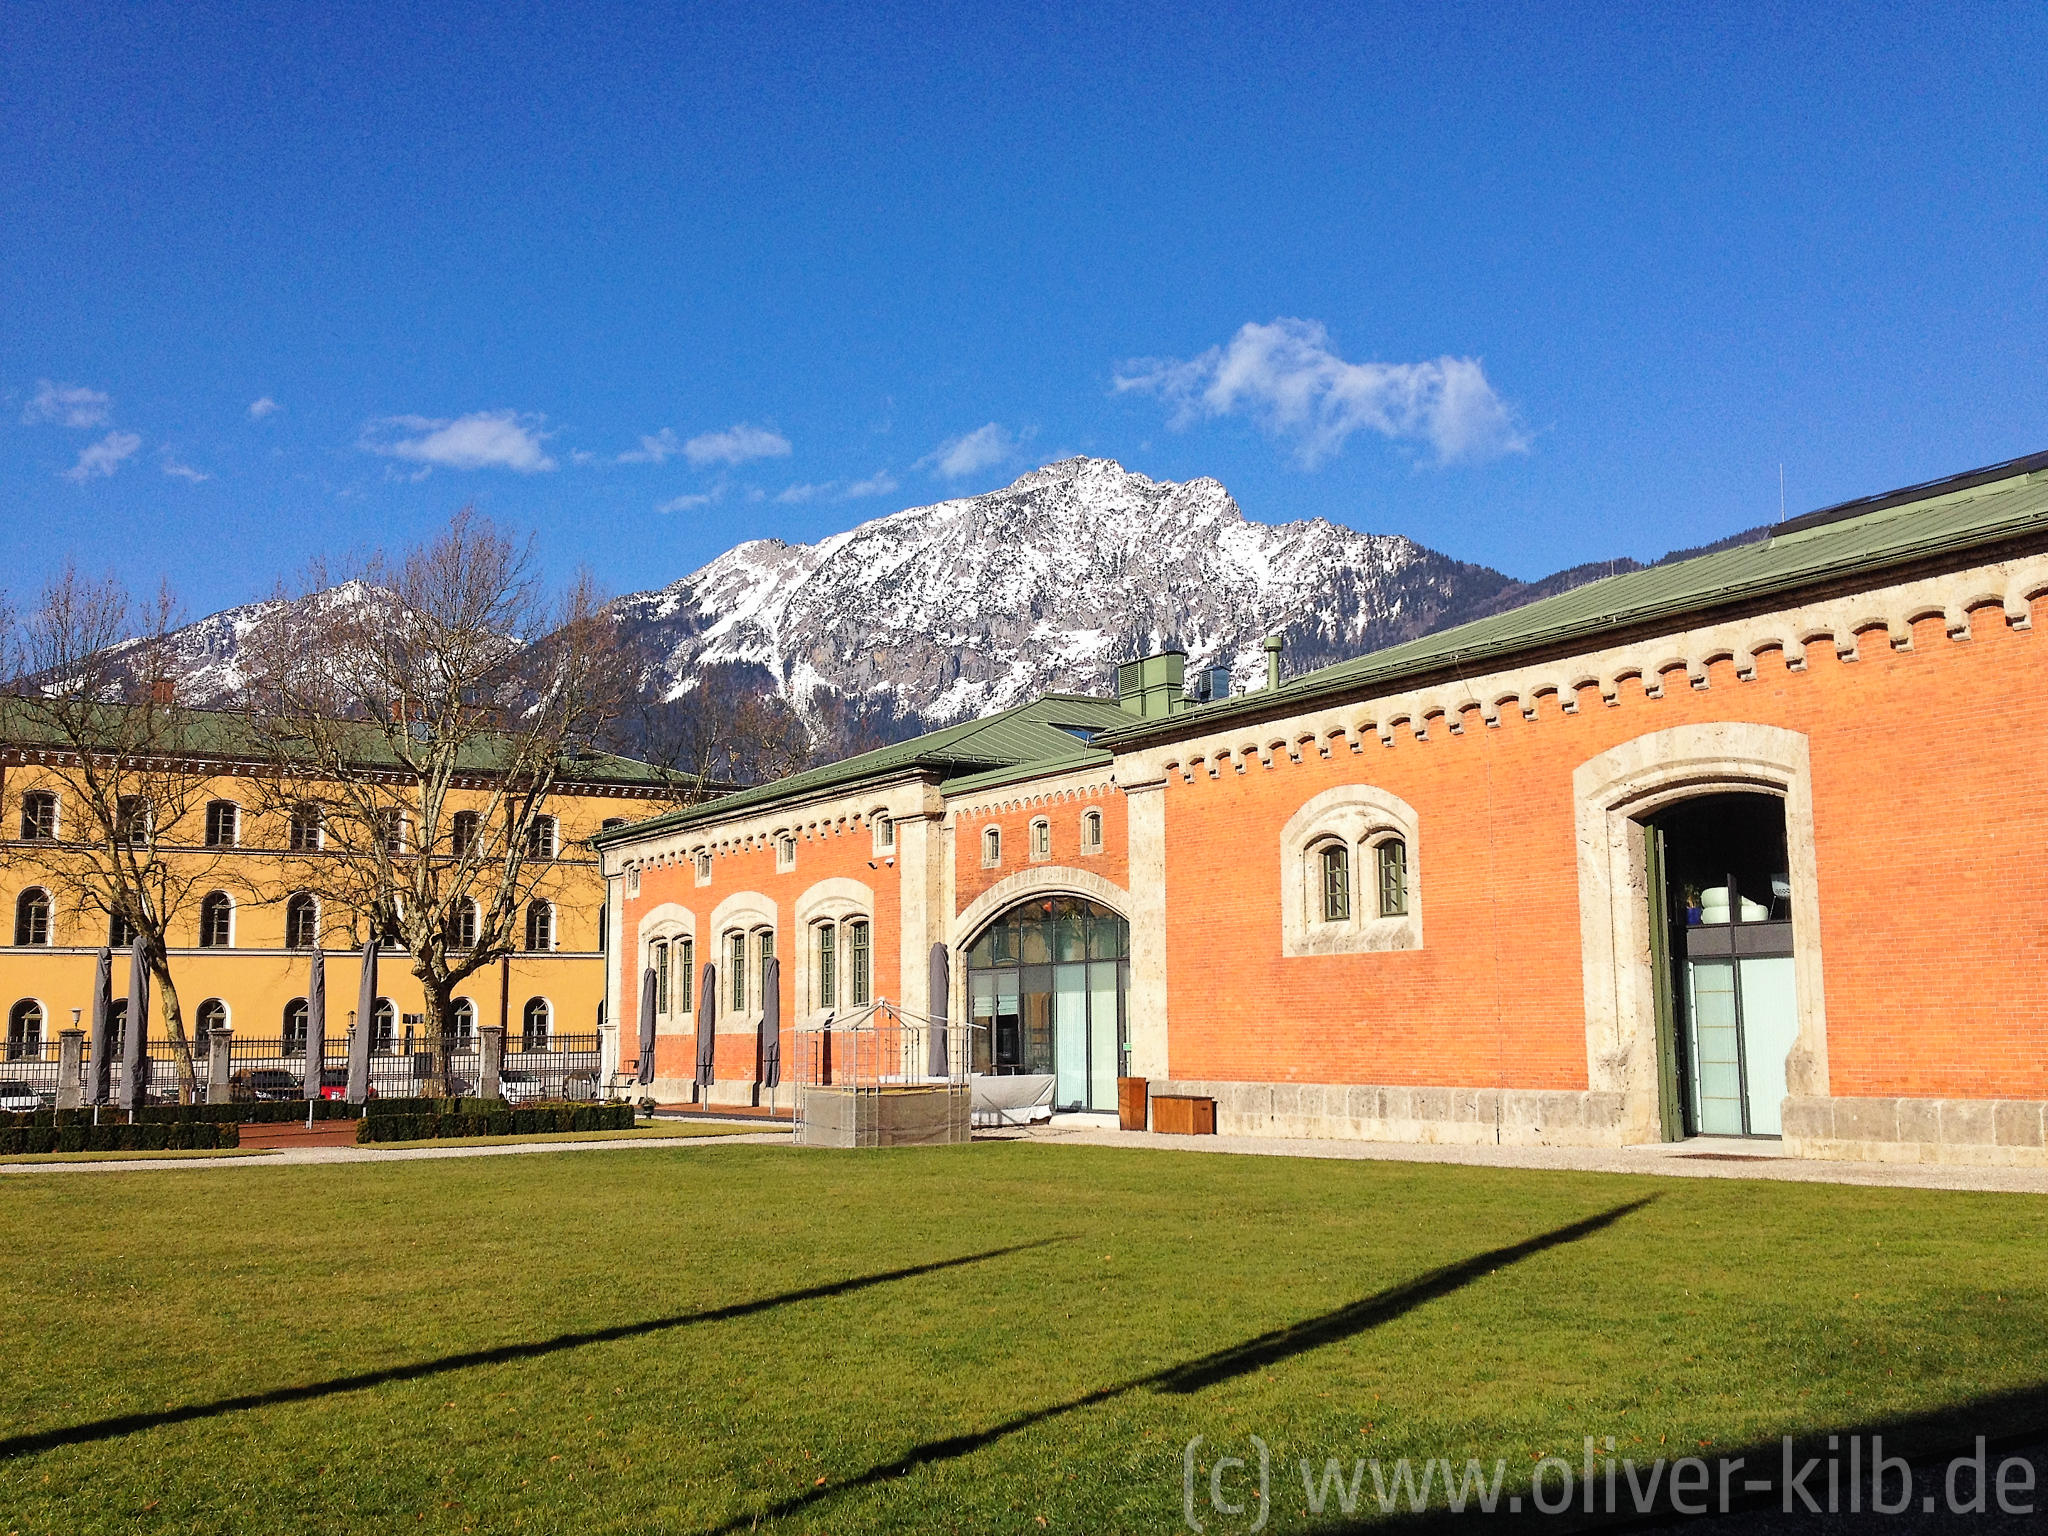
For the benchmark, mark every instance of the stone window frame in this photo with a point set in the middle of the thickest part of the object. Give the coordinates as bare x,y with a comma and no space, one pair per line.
785,851
1091,832
834,903
1038,843
991,847
675,926
1362,817
744,914
883,826
700,862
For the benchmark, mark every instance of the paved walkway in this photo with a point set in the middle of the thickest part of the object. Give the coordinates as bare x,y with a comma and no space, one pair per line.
1701,1158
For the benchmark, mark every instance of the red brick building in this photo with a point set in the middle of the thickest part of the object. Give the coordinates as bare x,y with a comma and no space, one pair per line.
1742,844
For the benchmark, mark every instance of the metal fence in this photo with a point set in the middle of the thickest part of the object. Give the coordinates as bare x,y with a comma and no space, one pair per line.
550,1067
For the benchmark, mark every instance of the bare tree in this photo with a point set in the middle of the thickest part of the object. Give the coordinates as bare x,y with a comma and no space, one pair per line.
727,728
420,715
94,707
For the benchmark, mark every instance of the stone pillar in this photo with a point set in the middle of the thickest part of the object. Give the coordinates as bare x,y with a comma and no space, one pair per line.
490,1061
70,1064
1146,806
219,1065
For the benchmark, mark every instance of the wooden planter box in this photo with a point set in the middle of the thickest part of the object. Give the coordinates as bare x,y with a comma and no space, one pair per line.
1130,1103
296,1133
1176,1114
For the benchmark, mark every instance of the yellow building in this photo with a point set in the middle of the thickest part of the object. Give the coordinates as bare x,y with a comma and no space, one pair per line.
242,941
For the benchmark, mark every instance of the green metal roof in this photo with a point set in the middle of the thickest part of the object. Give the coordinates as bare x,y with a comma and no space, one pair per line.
1937,523
1029,737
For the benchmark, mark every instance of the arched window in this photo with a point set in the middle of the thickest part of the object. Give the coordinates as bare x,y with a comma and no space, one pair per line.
1333,882
736,972
211,1019
1091,831
38,816
658,955
25,1030
857,963
462,924
462,832
764,951
540,838
828,965
540,926
305,834
1391,857
223,824
785,851
32,916
383,1026
703,866
683,986
216,921
302,922
464,1020
117,1025
885,832
1041,838
298,1015
533,1025
991,847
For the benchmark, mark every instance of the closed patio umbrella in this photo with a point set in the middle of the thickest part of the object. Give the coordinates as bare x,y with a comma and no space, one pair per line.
707,1025
647,1026
316,1024
359,1042
99,1070
941,999
135,1043
770,1073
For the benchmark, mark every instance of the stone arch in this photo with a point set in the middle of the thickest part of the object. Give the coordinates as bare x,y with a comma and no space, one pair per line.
1360,816
1613,793
1037,880
837,901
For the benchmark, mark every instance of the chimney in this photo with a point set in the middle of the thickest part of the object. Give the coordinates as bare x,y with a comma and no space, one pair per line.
1274,645
162,691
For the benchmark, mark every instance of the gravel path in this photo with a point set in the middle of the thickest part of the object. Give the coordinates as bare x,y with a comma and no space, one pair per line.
302,1155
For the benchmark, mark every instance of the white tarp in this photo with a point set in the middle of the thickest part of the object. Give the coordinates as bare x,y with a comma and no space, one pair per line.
1017,1100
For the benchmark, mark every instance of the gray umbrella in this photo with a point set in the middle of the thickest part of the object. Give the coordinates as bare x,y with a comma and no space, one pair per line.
135,1043
316,1024
359,1042
98,1074
771,1022
941,999
707,1024
647,1026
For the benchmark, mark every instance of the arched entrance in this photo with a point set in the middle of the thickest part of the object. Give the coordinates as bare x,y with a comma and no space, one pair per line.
1046,986
1727,994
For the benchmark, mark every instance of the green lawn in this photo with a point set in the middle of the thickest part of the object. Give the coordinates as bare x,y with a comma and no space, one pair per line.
946,1339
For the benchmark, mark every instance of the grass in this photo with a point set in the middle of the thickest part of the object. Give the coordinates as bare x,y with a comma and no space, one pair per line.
640,1132
161,1155
972,1339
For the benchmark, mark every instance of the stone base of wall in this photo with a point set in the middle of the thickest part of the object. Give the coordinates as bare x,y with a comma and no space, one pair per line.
1364,1112
2000,1132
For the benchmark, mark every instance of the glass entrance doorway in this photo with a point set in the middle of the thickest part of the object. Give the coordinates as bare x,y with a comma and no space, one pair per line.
1045,989
1727,1010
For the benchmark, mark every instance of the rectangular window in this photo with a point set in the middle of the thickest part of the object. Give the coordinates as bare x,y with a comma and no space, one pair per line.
885,832
857,956
1335,860
1041,840
736,971
1393,871
222,824
828,961
305,834
767,948
686,977
660,979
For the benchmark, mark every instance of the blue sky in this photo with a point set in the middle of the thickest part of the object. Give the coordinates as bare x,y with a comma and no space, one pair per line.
1533,287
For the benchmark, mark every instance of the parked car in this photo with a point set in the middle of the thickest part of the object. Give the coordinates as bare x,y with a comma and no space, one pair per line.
18,1095
334,1084
265,1083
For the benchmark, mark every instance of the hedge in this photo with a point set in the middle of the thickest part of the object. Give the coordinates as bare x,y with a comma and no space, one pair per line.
146,1136
471,1117
272,1112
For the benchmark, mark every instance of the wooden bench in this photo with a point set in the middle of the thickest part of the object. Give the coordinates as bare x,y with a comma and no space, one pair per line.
1178,1114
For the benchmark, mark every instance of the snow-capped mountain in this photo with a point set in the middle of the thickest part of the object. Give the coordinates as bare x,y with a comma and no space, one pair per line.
981,602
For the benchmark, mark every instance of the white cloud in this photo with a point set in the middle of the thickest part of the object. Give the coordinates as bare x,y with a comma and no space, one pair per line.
736,446
480,440
1286,378
802,493
658,449
258,409
103,457
881,483
970,453
691,502
69,405
179,471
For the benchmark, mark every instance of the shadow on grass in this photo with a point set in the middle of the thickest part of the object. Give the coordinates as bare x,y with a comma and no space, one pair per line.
1361,1316
131,1423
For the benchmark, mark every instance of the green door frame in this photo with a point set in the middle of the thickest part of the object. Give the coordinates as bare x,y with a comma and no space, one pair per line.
1663,981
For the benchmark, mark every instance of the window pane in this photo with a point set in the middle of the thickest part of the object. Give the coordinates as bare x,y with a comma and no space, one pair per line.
828,960
686,979
1393,870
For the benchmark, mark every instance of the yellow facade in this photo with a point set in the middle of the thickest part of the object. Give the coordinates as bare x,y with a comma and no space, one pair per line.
254,975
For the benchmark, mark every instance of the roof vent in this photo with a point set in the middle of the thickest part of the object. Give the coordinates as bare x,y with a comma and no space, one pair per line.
1274,645
1153,687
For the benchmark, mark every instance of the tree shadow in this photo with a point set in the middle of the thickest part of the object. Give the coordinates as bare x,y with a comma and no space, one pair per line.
131,1423
1252,1355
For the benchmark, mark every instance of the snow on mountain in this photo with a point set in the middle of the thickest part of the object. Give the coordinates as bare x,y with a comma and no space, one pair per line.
981,602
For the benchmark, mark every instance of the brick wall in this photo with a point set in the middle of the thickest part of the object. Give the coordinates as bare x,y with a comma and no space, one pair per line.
1063,811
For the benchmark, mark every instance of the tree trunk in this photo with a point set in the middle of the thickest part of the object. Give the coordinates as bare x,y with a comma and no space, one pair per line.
438,1036
174,1021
